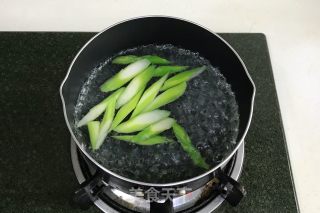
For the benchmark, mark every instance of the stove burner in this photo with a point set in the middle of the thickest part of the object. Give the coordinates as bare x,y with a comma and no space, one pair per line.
202,200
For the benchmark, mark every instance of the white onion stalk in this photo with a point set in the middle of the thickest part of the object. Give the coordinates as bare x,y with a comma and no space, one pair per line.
149,95
154,129
106,123
93,128
141,121
182,77
124,75
139,82
97,110
125,110
167,97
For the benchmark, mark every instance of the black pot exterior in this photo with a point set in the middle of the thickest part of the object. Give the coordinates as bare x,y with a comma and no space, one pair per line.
159,30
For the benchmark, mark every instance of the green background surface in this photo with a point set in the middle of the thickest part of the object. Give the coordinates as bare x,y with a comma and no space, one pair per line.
35,167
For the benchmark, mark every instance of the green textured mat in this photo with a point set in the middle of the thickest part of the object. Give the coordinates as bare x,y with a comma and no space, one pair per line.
35,167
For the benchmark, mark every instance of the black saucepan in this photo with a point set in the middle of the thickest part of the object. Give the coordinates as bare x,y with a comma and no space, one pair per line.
158,30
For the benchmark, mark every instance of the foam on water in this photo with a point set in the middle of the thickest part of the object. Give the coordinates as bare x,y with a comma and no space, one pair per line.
208,111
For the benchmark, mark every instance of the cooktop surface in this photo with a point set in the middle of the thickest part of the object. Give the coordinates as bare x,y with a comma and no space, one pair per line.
36,173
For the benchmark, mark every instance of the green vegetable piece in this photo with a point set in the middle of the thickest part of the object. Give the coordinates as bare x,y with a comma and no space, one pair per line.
125,59
151,141
156,59
93,128
167,97
106,123
148,96
141,121
93,113
182,77
97,110
163,70
154,129
155,140
124,137
188,147
139,82
124,75
126,109
128,59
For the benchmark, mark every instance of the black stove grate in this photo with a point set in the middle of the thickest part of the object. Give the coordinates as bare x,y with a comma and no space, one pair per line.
85,166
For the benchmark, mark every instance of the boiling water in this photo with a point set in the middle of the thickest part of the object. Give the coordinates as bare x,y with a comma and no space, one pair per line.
208,111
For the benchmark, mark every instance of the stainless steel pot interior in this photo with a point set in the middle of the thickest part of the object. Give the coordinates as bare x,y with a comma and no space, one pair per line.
148,30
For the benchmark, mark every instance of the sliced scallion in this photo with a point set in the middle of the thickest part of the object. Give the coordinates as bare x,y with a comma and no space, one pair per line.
139,82
125,110
151,141
167,96
163,70
182,77
188,147
141,121
97,110
154,129
106,123
128,59
93,128
148,96
125,75
125,59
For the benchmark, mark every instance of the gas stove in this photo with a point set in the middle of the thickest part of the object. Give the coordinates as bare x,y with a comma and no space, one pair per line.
203,200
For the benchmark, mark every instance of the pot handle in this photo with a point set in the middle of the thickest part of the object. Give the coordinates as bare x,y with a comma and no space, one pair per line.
166,207
231,190
84,197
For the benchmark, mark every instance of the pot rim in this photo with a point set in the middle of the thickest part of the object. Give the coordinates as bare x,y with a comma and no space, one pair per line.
147,183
